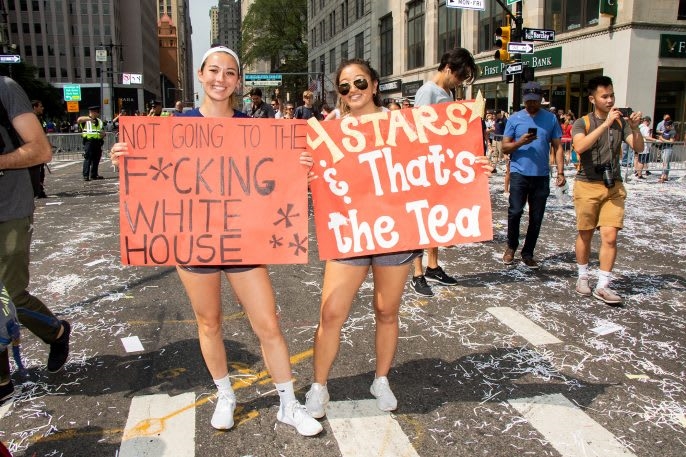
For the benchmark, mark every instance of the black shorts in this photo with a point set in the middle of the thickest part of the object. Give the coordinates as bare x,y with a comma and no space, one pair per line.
643,158
209,269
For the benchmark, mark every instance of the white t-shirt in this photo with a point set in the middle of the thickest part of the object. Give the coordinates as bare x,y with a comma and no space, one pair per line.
645,131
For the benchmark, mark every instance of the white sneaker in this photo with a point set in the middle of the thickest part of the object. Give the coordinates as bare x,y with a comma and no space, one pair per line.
316,400
385,400
222,419
296,415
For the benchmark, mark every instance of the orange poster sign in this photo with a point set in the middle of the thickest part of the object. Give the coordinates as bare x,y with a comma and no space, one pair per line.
212,191
399,180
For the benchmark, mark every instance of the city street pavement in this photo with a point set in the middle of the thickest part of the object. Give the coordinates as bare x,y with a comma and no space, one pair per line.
508,362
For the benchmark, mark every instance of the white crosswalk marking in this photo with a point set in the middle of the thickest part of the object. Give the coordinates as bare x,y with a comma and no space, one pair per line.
523,326
568,429
160,426
362,430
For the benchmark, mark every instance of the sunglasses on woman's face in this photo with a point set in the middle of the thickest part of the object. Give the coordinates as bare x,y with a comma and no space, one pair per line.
361,84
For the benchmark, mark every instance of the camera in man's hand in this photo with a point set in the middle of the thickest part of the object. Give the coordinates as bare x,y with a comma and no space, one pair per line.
626,112
608,175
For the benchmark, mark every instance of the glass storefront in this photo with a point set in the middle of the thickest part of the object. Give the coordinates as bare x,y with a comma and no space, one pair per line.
670,98
494,93
568,91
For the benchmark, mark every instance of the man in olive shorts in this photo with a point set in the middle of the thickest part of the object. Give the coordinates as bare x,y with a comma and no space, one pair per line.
599,194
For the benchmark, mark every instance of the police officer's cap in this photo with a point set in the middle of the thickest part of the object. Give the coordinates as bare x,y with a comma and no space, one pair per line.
94,108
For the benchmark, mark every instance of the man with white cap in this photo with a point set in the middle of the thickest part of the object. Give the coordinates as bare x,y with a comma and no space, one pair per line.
528,136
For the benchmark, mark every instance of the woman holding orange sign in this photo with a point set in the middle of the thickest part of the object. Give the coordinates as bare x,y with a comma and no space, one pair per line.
357,85
219,74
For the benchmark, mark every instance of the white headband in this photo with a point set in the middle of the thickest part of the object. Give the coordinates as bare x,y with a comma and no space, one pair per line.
221,49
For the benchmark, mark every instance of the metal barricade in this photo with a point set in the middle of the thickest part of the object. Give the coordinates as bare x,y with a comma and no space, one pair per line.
69,146
660,157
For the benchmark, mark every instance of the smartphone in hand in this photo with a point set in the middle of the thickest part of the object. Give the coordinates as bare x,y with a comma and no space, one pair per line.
533,131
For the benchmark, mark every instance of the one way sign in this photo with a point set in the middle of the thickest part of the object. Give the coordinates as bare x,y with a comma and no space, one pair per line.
520,48
514,69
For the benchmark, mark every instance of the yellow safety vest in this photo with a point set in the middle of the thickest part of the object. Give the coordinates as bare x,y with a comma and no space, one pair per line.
91,130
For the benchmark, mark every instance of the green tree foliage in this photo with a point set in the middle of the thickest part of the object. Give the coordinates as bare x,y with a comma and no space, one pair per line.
37,89
276,31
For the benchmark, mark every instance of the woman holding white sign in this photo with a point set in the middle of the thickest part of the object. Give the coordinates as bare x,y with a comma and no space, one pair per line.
219,74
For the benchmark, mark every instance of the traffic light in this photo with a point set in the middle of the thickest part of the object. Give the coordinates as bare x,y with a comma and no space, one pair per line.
503,33
527,74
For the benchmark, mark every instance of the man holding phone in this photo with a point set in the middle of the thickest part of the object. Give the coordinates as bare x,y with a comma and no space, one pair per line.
528,137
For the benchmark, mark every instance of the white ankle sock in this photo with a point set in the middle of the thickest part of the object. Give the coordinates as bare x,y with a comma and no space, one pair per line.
224,385
603,279
583,270
286,394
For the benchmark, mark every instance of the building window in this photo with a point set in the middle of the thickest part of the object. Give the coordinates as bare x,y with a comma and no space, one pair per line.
332,23
332,60
415,34
449,29
344,14
386,45
89,73
568,15
359,45
37,27
14,27
53,72
682,10
39,50
313,66
489,20
321,31
41,72
359,8
27,50
25,27
63,72
86,51
344,51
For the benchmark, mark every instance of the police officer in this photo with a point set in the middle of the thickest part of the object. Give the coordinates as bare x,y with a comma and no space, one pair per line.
156,109
92,132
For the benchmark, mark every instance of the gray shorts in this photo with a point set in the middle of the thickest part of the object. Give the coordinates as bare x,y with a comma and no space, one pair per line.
384,260
209,269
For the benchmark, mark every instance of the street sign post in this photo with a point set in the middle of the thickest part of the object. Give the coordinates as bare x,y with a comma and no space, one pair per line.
72,93
520,48
101,55
538,34
10,58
